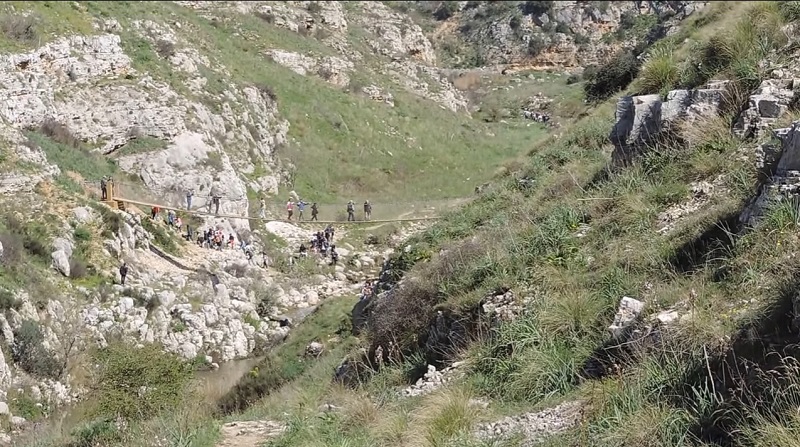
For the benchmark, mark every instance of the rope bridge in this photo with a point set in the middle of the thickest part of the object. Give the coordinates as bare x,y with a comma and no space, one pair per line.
118,201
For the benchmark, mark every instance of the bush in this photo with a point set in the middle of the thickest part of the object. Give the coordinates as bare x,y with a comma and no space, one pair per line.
537,7
8,301
165,48
445,10
99,432
612,77
314,7
82,234
160,236
790,11
18,27
13,251
78,268
59,133
265,304
138,383
30,355
581,39
32,235
536,44
267,91
563,28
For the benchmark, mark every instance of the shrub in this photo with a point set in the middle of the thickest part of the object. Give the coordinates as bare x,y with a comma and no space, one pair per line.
445,10
536,44
82,234
160,236
537,7
136,383
563,28
314,7
265,304
78,268
30,355
612,77
581,39
102,431
790,11
18,27
659,72
267,91
165,48
8,301
59,133
13,251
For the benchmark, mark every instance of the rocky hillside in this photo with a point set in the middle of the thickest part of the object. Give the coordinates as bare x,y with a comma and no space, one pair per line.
567,35
609,176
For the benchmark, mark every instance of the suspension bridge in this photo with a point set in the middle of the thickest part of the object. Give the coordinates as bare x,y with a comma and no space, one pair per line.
121,196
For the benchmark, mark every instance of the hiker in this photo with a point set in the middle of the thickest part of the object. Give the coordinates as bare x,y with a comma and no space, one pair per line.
314,211
329,234
154,212
103,190
366,291
215,199
248,251
189,195
262,212
334,255
301,206
231,241
367,210
178,223
303,250
123,272
351,211
171,218
289,209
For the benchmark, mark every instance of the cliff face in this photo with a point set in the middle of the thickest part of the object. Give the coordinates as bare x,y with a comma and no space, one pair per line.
569,35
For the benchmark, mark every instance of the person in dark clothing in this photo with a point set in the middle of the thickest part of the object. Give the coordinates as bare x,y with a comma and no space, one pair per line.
367,210
103,190
314,211
215,199
334,255
303,250
351,211
123,272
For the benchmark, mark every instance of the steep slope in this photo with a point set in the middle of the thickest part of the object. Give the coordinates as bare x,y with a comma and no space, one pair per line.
634,284
248,100
610,269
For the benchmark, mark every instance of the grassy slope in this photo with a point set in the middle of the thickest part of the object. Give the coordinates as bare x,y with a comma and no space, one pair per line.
527,240
414,151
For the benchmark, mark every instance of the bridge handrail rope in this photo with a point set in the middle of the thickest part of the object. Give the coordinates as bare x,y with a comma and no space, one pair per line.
281,203
267,219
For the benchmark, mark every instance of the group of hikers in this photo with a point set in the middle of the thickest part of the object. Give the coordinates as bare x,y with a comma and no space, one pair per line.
322,244
301,207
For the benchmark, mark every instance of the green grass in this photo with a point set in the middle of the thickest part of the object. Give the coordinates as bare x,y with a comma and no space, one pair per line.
438,155
286,362
69,158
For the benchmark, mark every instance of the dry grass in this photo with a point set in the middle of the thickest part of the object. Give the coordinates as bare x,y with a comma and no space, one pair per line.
441,418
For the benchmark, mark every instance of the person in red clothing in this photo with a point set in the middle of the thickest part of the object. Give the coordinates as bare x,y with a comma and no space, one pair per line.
289,209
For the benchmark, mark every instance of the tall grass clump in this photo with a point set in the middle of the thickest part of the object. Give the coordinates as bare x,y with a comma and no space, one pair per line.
659,72
736,55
